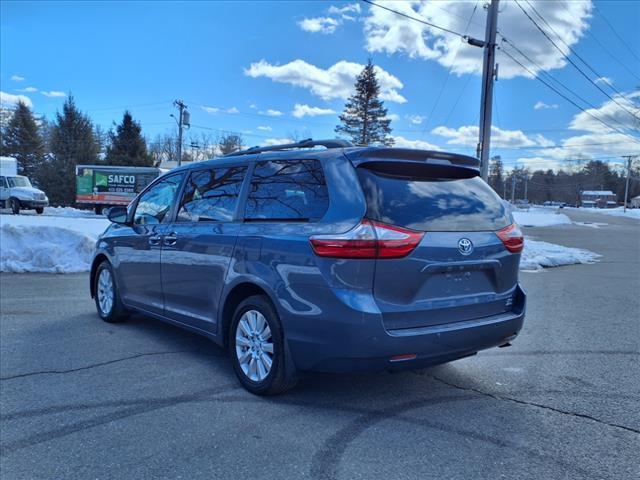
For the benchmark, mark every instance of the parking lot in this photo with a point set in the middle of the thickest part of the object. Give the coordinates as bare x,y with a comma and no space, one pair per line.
142,399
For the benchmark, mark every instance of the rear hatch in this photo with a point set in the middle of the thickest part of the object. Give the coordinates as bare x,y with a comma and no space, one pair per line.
461,269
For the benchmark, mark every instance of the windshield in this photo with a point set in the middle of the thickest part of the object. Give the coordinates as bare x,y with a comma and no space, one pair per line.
18,182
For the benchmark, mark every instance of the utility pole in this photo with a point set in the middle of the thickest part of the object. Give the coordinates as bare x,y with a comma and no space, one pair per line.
183,119
626,185
489,72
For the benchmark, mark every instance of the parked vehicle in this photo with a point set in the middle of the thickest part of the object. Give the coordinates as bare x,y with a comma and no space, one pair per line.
102,186
16,191
346,259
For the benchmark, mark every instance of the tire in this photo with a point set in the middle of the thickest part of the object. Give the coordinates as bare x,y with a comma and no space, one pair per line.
252,316
14,205
98,209
40,210
110,310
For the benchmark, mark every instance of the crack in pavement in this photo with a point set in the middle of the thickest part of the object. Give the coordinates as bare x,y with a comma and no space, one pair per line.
533,404
95,365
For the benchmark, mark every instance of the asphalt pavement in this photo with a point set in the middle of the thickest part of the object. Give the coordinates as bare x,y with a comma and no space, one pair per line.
80,398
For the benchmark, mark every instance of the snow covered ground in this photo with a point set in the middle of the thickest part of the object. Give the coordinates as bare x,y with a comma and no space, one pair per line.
539,217
48,243
615,212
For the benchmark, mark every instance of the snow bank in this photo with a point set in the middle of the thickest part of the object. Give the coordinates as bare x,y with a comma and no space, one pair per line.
538,255
615,212
539,217
51,244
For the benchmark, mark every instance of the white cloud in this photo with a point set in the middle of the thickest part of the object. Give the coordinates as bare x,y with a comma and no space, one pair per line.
265,128
545,106
53,94
216,110
17,78
393,117
253,106
617,115
10,100
324,25
300,111
276,141
468,135
27,90
348,8
402,142
390,33
335,82
270,112
605,80
415,119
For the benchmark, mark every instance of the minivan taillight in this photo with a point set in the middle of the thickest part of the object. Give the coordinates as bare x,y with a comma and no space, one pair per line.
512,238
368,239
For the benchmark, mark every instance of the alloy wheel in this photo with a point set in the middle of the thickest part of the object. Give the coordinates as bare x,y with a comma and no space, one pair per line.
254,345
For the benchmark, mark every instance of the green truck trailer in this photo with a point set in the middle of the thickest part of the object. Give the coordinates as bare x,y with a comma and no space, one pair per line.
101,186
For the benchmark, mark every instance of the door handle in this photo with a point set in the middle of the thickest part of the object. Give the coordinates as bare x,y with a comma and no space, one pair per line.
154,240
170,239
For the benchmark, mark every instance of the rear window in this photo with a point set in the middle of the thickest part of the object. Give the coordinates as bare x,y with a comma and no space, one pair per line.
287,190
433,204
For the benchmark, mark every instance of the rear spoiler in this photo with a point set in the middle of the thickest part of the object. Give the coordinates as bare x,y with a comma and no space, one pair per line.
394,160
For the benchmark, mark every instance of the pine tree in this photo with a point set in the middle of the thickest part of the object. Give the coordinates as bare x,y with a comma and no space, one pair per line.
496,172
22,140
365,118
72,143
127,146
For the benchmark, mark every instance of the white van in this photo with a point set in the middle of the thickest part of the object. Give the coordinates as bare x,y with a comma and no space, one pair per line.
16,191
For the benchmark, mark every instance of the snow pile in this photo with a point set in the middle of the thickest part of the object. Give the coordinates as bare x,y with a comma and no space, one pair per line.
539,217
69,212
615,212
52,244
538,255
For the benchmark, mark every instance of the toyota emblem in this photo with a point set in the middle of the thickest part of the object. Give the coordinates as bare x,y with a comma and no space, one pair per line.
465,246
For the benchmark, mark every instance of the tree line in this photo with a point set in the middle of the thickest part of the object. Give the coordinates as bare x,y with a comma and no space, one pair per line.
48,151
564,185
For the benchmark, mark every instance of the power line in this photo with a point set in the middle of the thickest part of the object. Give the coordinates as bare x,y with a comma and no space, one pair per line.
424,22
554,79
534,75
615,32
598,75
571,61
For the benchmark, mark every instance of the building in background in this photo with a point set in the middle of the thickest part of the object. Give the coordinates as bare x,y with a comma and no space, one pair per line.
598,199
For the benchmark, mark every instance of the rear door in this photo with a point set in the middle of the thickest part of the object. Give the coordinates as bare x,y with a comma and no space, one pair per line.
198,245
461,269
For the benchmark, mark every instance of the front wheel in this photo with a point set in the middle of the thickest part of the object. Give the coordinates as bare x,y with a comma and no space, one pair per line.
40,210
257,349
106,295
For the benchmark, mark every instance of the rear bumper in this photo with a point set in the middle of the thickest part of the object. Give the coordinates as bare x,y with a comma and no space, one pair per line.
365,346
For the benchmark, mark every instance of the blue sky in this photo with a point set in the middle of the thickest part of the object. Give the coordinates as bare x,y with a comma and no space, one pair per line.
236,64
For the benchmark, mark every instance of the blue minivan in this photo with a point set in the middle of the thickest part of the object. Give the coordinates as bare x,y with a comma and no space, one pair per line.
319,256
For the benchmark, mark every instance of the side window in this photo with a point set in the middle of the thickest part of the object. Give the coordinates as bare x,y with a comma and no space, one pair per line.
155,204
287,190
3,182
211,195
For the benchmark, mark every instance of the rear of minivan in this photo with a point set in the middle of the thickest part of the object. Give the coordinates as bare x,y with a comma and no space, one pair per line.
446,254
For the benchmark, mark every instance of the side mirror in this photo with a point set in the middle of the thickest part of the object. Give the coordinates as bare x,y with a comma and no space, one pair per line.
117,215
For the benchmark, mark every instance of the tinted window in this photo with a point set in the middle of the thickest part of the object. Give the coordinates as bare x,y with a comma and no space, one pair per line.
293,190
3,182
211,195
155,204
466,204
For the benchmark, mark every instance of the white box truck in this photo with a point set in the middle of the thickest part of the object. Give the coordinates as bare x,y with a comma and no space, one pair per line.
16,191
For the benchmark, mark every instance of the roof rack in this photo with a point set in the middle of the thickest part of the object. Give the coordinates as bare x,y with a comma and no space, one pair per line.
307,143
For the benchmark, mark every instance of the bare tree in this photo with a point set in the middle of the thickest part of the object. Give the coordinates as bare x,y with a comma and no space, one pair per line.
229,143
